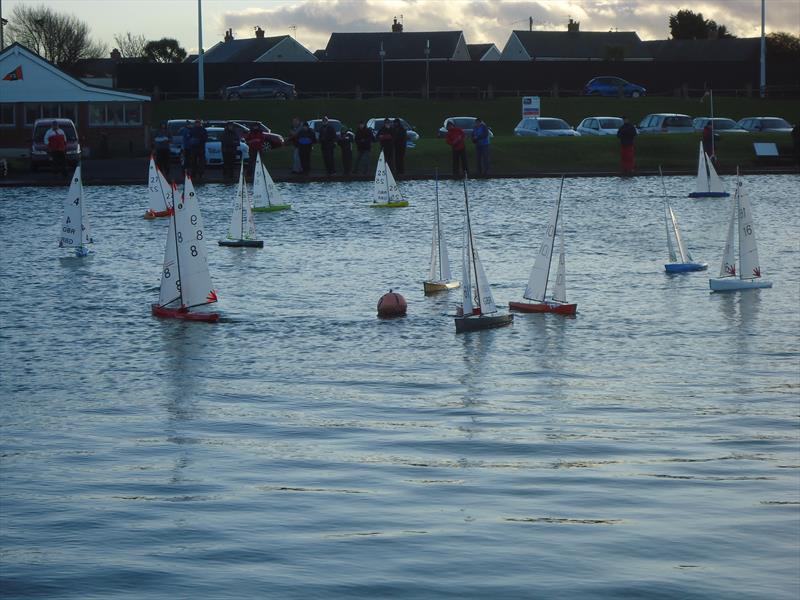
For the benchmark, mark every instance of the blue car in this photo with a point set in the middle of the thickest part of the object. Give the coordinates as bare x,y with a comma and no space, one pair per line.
611,86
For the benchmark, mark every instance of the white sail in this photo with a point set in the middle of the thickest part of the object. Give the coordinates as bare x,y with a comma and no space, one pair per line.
748,251
707,179
170,275
385,187
714,182
684,254
482,288
537,281
560,287
728,266
440,262
192,260
468,302
158,190
264,191
668,224
242,225
75,232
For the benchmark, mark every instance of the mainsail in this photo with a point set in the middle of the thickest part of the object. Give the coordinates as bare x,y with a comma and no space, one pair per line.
540,272
385,188
75,232
264,191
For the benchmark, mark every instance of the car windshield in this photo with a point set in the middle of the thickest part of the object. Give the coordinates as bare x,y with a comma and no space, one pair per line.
677,122
552,124
463,122
774,124
725,124
378,123
610,123
38,134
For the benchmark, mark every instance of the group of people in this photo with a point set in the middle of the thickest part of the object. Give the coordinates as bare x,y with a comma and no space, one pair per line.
456,138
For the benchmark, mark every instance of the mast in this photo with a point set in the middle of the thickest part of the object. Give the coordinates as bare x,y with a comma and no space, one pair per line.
471,245
177,251
672,256
438,228
553,240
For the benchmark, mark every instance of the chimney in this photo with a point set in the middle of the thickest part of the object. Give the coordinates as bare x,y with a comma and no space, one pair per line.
259,32
397,27
229,35
115,54
573,26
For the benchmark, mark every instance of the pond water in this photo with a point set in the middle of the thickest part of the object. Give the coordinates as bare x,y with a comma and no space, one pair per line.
303,448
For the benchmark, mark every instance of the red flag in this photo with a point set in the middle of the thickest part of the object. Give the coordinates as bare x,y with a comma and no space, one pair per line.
14,75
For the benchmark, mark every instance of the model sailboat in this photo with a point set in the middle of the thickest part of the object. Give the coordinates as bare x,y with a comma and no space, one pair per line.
185,280
478,310
75,232
749,275
159,193
536,290
387,194
439,277
682,261
708,183
242,229
266,197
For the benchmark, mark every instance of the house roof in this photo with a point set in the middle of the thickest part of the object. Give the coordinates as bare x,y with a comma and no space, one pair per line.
580,44
478,51
733,49
405,45
42,81
241,51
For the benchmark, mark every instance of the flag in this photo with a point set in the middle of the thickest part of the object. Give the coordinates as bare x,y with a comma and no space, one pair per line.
14,75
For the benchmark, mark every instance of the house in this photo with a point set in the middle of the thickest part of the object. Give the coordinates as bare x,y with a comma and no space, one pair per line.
483,52
744,50
397,45
574,45
260,49
32,88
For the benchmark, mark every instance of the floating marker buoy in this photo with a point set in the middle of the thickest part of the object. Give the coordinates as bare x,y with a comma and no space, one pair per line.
392,305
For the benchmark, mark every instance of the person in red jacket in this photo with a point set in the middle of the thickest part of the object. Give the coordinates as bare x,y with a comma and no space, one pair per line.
455,138
56,141
255,144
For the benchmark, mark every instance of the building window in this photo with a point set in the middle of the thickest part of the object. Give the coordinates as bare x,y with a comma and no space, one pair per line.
115,114
7,115
50,110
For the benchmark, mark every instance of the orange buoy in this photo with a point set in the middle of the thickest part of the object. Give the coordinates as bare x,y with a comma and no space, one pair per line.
392,305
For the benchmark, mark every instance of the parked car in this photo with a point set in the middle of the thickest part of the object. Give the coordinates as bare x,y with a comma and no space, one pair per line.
666,123
611,86
39,156
376,123
261,87
316,126
544,127
243,127
174,127
770,124
721,125
465,123
214,148
599,126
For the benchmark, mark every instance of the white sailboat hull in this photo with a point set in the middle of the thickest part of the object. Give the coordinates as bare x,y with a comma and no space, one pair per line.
732,284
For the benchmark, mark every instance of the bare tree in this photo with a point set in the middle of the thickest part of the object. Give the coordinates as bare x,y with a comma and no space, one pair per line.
61,39
129,45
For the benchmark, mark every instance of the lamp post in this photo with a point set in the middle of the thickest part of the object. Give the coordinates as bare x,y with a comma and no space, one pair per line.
382,54
763,86
201,84
427,69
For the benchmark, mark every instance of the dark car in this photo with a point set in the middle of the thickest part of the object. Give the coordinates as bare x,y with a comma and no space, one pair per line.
612,86
261,88
39,155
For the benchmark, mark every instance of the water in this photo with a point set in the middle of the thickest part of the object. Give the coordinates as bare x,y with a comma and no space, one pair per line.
303,448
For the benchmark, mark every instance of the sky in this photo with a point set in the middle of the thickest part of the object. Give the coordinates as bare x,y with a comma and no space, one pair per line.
312,21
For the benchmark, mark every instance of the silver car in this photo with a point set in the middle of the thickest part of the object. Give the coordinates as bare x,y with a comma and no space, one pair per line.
214,147
544,127
769,124
377,122
666,123
599,126
720,125
465,123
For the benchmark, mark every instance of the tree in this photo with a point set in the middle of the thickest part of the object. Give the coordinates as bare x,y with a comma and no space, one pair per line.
783,47
165,50
61,39
129,45
688,25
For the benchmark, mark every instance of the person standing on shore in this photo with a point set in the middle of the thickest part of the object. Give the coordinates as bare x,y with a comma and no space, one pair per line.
197,149
626,133
346,146
296,125
305,141
708,140
161,142
56,141
364,148
255,144
456,139
387,145
480,137
399,137
230,144
327,142
186,137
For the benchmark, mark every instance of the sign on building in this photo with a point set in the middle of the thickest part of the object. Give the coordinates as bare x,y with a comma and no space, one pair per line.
530,106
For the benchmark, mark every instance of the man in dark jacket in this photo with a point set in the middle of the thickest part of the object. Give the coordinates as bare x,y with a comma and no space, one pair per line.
230,144
399,137
364,147
385,140
161,142
626,133
197,149
346,146
305,141
456,138
327,142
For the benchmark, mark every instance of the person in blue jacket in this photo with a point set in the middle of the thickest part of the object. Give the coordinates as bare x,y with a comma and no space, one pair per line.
480,137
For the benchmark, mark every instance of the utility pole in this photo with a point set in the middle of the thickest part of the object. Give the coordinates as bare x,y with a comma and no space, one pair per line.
382,54
763,86
201,84
427,69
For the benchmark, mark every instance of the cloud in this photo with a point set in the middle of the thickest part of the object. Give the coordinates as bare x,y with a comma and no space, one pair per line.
484,21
